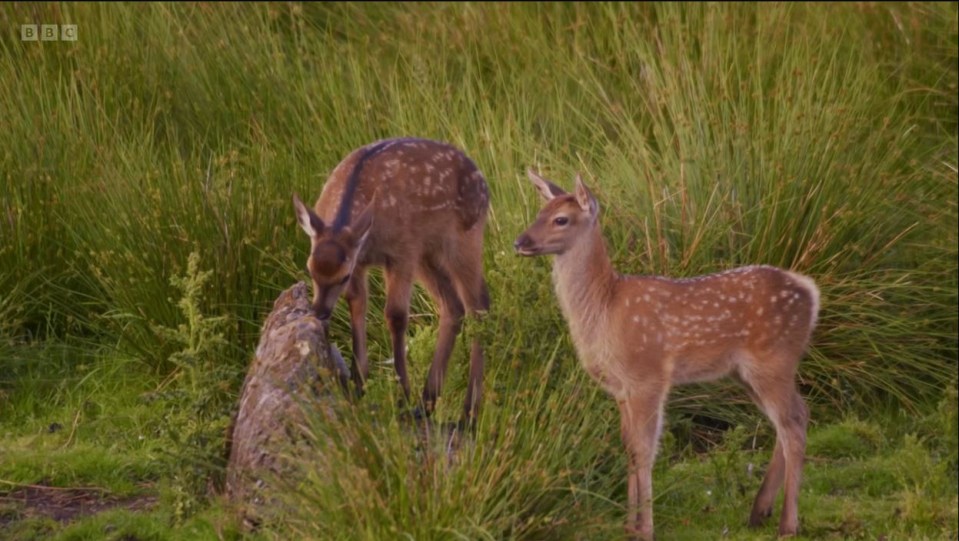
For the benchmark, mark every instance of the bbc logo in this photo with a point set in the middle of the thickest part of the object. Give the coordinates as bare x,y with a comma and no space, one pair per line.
48,32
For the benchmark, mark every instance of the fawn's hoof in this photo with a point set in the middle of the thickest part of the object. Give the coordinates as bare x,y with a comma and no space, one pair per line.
787,531
758,517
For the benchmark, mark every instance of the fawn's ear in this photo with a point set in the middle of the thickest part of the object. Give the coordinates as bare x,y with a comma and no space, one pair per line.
585,198
547,189
308,220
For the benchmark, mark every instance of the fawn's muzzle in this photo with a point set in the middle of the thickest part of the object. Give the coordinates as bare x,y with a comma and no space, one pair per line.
322,313
523,245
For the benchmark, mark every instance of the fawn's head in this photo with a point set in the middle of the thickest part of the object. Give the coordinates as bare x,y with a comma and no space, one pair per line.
563,220
333,254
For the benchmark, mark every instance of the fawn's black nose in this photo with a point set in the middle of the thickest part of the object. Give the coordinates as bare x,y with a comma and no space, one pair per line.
523,241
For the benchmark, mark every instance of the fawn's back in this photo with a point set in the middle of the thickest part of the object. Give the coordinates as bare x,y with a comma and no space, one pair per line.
704,327
422,191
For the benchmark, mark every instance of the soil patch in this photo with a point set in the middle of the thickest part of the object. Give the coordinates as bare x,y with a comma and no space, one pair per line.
64,504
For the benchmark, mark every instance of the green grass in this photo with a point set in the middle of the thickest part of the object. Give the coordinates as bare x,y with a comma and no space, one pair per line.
820,138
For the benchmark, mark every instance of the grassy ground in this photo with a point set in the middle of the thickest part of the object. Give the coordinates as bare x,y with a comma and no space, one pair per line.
819,138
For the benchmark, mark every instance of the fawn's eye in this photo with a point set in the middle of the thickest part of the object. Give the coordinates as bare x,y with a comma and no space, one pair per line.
561,220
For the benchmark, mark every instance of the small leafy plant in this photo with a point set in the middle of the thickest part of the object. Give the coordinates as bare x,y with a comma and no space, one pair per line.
199,396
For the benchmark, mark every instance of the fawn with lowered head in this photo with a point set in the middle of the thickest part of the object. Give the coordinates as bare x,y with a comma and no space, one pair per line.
417,208
639,335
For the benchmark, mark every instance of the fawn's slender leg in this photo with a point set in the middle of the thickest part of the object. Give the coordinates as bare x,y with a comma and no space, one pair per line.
474,392
471,286
772,482
793,422
641,416
451,310
356,297
781,402
399,284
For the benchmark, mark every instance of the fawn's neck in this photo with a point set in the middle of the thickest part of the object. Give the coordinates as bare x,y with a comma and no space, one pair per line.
584,280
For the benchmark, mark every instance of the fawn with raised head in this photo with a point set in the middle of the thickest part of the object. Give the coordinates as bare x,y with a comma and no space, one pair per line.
639,335
417,208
